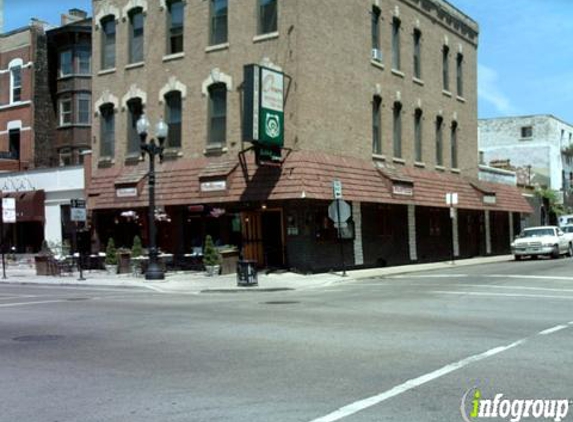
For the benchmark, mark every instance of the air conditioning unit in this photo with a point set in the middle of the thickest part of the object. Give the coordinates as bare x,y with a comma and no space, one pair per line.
376,55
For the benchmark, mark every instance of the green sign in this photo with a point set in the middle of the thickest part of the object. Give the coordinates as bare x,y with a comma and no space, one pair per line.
271,110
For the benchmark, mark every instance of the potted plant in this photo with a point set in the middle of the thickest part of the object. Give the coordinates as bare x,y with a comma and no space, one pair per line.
211,257
42,260
111,256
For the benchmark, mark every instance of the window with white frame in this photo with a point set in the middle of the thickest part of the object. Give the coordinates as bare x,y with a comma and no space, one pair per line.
175,26
267,16
84,108
16,84
173,118
397,129
66,62
218,22
66,111
377,124
136,21
84,60
396,43
107,130
217,131
418,134
108,29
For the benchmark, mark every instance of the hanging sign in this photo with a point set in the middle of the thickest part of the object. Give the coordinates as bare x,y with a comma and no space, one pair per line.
8,210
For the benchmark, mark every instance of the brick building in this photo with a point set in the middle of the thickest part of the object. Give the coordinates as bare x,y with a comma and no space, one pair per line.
382,96
69,47
26,115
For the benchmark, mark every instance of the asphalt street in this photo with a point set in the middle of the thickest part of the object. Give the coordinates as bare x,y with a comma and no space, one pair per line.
401,348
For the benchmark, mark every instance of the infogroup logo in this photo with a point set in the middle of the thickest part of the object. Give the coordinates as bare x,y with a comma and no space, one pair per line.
474,407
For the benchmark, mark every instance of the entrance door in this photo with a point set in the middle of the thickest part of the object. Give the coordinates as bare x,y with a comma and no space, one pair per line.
252,245
273,238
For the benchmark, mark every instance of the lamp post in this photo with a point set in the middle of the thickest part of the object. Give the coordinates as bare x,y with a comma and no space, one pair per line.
154,271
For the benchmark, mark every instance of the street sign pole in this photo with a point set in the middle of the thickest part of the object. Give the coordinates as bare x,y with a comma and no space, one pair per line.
3,247
452,216
340,238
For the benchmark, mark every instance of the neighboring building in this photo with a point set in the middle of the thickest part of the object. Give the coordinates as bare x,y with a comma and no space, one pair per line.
70,80
42,205
542,145
26,116
382,96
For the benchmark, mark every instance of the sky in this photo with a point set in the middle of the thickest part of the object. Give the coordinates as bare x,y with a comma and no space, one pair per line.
525,53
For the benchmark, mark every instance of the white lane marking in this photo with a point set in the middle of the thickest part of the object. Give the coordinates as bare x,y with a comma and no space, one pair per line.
552,330
517,276
509,287
360,405
502,295
431,276
8,305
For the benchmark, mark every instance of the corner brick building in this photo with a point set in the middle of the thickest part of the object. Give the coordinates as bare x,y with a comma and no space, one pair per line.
381,95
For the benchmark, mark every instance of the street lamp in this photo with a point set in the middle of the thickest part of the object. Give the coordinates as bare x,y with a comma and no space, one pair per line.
154,271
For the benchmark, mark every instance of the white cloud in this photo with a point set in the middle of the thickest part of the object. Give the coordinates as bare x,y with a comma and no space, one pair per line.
489,90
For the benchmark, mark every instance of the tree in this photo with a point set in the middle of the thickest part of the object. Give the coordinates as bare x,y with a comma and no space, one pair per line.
136,249
110,252
211,255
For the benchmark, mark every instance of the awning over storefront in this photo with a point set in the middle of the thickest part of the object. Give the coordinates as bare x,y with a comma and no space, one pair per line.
303,175
29,205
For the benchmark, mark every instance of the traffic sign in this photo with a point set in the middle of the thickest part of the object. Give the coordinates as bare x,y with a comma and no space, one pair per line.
334,208
451,198
337,189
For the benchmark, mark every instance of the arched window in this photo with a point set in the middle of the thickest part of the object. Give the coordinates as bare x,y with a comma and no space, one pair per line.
217,121
108,42
439,141
136,21
16,83
173,118
454,144
135,110
418,134
107,130
397,129
377,124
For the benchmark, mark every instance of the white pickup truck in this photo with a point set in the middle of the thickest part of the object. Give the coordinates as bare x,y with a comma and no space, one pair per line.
544,240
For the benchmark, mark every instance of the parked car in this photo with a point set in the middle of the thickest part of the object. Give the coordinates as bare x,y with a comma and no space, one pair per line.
543,240
565,220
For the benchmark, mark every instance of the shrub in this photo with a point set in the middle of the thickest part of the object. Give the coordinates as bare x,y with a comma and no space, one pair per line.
110,252
211,255
136,249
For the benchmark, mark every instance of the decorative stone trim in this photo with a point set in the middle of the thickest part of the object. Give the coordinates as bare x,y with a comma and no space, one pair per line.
216,76
105,98
132,4
175,56
216,47
106,9
134,92
172,85
264,37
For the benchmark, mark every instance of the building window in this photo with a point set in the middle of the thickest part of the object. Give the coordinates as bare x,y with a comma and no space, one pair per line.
454,144
65,111
217,114
418,134
445,68
65,157
268,16
14,144
417,54
84,108
107,130
136,35
460,74
135,110
175,21
377,125
527,131
397,130
66,63
84,59
376,12
439,141
396,43
218,32
173,118
108,42
16,84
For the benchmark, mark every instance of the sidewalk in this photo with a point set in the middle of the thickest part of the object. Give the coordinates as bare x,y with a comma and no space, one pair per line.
198,282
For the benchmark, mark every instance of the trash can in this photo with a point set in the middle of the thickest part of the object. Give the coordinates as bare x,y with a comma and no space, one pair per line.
123,262
247,273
